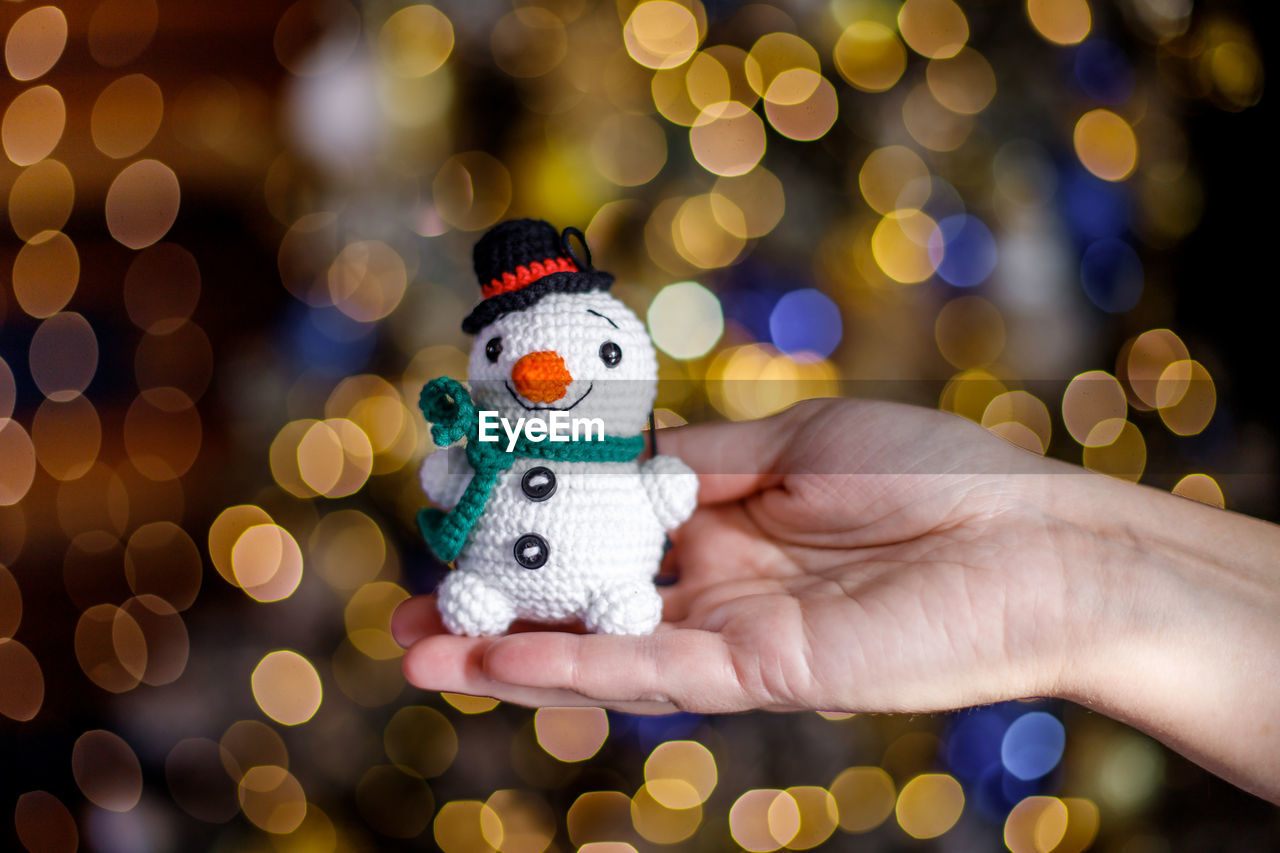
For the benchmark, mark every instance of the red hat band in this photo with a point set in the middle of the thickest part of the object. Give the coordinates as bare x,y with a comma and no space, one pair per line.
523,276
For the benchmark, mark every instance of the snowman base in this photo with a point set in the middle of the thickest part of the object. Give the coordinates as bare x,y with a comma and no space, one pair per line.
472,607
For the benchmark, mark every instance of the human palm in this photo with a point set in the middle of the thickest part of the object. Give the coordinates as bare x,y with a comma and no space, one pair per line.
846,555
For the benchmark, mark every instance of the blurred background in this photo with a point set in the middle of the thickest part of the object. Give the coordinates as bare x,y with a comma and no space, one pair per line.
238,242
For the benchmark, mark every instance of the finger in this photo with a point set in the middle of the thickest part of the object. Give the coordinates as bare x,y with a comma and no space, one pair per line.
416,618
454,664
732,460
690,669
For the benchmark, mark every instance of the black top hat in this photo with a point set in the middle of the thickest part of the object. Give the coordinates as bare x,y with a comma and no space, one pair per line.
520,261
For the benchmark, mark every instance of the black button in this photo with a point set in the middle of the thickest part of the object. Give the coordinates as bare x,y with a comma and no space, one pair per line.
531,551
538,484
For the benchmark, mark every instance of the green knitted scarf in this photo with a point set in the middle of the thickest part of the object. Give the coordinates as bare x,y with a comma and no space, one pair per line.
448,407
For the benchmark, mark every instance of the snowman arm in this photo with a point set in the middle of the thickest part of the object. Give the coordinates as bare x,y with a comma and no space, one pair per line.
672,488
445,475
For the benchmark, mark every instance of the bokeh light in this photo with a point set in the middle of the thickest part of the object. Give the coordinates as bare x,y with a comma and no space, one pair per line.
1106,145
107,770
571,734
41,200
126,116
926,200
1060,21
962,250
680,774
142,203
35,42
805,324
287,687
929,805
764,819
44,823
869,55
33,125
23,695
937,29
1201,487
727,138
46,270
864,797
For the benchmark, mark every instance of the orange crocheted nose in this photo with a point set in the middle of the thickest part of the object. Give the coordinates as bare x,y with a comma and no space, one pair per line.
541,377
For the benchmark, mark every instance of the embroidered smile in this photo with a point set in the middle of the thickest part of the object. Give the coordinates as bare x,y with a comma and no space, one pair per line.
516,397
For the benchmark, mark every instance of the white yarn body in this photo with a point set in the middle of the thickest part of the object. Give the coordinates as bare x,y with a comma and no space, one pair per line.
604,540
604,525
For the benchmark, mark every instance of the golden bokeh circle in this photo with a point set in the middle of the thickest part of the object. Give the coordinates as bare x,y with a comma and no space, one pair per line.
1089,399
287,687
963,83
660,824
937,29
126,116
1060,21
44,823
864,798
764,819
900,245
472,190
106,770
869,56
119,30
41,199
272,799
819,816
727,139
23,693
142,203
1116,447
161,559
33,125
929,805
35,42
1197,487
416,40
67,435
1106,145
396,803
161,288
45,274
421,739
266,562
894,178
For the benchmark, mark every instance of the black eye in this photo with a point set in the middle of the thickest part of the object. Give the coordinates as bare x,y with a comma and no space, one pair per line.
493,349
610,354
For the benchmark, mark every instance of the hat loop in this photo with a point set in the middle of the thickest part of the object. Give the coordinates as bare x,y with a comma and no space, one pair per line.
567,246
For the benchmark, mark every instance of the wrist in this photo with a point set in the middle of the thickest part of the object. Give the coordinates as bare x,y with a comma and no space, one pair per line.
1174,623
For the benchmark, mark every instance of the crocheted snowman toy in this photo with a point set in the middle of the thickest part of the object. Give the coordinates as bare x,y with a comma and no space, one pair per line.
543,526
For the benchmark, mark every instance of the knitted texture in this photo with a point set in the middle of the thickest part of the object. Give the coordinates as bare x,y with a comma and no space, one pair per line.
448,407
540,377
521,261
550,530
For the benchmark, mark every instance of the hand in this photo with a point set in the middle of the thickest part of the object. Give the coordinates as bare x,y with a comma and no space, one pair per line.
865,556
846,555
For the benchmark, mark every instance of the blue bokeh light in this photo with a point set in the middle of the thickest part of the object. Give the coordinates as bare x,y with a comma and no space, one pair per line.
806,321
1102,71
749,309
962,250
1111,274
1094,208
1033,745
329,342
973,743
